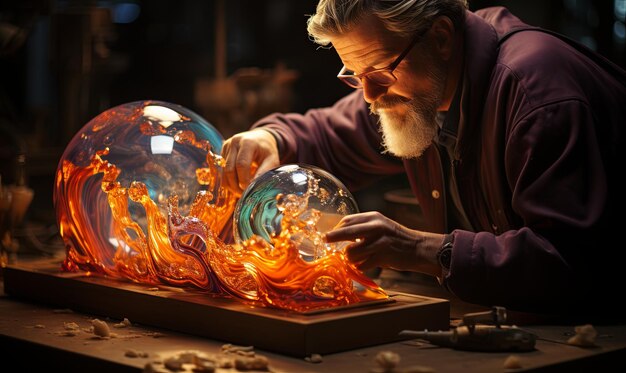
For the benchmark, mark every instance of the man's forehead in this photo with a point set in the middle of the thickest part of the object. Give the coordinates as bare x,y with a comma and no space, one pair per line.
365,43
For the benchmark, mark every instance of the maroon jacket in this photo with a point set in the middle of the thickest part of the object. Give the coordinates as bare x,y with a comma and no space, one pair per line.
538,166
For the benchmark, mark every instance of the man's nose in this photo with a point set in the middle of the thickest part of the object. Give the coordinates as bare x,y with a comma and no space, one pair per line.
372,91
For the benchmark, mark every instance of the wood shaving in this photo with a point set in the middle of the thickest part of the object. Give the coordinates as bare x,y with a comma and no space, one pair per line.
129,336
155,367
585,336
251,363
71,326
314,358
154,334
512,362
100,328
68,333
230,348
134,353
205,367
387,360
122,324
228,358
173,363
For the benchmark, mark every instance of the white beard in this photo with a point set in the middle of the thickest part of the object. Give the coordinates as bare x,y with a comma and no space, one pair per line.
411,125
409,134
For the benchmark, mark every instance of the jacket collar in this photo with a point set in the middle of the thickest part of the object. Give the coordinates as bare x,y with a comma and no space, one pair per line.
481,50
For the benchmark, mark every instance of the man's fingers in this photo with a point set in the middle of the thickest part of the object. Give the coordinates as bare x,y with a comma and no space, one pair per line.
340,234
229,174
237,172
350,232
363,255
357,257
243,165
267,164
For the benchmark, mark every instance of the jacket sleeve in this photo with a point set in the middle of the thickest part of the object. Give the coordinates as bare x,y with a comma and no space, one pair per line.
342,139
557,173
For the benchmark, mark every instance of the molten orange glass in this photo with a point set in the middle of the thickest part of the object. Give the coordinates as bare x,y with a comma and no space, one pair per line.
119,230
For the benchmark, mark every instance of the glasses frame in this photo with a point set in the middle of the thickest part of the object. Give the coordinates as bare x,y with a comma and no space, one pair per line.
347,78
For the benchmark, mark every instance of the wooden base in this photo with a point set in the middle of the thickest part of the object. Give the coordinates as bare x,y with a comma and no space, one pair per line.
228,320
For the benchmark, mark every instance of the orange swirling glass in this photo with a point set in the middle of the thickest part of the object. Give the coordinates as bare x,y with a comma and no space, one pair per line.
138,197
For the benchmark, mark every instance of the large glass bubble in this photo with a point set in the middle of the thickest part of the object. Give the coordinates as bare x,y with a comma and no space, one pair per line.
317,197
117,174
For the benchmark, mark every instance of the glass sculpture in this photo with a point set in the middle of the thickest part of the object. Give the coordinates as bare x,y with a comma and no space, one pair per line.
317,199
138,196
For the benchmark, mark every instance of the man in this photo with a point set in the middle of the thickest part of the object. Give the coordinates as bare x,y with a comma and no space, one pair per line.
510,137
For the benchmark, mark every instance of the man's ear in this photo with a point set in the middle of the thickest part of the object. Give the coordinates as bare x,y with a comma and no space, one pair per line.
443,32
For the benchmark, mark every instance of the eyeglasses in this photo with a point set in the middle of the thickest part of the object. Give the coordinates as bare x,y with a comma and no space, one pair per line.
383,77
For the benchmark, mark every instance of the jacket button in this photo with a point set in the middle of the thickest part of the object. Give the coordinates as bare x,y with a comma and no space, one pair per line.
435,194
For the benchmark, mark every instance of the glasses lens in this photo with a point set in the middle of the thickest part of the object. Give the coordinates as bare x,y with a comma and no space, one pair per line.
382,78
352,81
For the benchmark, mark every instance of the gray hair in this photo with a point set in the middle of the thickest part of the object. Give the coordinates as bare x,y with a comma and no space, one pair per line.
336,17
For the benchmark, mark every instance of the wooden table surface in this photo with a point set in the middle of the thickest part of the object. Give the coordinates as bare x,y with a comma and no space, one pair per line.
34,337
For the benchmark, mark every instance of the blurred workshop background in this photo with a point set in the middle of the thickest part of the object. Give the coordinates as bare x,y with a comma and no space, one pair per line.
62,62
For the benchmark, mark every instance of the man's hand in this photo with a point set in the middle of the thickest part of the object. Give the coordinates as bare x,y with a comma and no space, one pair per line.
247,155
381,242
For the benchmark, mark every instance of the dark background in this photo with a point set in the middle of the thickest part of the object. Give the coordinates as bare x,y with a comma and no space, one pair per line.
64,62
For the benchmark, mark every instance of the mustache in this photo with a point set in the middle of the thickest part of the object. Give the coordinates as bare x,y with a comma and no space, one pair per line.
386,102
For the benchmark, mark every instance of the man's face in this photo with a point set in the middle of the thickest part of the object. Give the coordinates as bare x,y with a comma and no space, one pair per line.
408,108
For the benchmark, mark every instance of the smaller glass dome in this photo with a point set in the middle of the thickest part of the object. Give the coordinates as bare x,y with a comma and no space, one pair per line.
315,200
